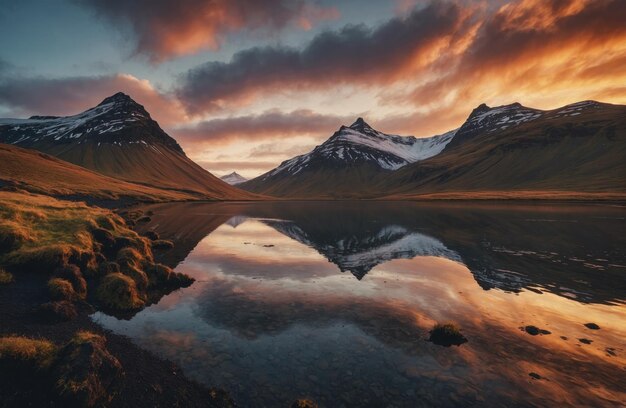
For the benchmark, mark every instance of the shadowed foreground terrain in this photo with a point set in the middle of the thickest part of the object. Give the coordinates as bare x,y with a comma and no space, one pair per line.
60,261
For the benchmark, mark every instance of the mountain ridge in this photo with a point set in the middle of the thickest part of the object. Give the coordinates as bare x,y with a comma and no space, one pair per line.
350,156
508,151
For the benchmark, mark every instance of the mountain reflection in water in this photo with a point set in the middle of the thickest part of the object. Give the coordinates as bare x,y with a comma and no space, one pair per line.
272,317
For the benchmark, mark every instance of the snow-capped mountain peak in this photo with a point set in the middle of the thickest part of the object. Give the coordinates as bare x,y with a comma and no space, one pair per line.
233,178
360,144
117,120
360,125
485,119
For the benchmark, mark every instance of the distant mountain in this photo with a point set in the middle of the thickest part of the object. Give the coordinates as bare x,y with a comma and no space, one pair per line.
233,178
512,151
117,138
346,162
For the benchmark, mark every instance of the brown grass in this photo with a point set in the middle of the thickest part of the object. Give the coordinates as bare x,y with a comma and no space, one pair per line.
72,241
81,373
5,277
41,353
39,173
59,232
119,292
162,244
61,289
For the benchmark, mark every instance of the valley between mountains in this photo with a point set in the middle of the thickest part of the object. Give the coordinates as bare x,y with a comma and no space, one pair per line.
505,152
72,241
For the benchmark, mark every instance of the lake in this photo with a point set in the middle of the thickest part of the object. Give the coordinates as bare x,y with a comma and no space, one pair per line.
335,301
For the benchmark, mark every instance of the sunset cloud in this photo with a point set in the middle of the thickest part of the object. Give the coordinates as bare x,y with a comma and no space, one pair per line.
164,29
458,51
537,48
353,54
266,126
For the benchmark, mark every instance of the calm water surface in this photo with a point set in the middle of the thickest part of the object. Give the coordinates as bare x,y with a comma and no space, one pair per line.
334,302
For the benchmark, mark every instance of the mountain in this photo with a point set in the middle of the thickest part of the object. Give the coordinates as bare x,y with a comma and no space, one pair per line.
117,138
510,151
233,178
346,163
576,151
40,173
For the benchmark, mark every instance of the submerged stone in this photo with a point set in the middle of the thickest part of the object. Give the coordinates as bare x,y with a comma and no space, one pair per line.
534,330
446,335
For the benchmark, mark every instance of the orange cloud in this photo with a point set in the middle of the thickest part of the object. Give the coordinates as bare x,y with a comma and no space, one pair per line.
545,53
353,55
165,29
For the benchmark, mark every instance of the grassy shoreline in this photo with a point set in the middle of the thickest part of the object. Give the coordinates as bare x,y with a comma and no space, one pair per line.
60,261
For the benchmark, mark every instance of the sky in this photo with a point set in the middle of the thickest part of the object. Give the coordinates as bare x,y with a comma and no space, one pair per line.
246,84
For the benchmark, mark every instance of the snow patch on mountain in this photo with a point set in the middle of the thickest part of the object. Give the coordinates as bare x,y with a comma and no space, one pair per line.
501,117
111,116
408,148
360,143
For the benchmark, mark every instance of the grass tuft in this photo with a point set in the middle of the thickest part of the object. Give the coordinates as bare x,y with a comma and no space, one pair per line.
12,235
162,244
119,292
18,349
61,289
304,403
86,372
5,277
72,274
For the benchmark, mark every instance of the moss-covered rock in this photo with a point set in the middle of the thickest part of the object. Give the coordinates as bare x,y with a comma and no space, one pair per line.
129,257
61,289
162,275
73,274
86,373
304,403
5,277
16,349
59,311
152,235
12,235
162,244
119,292
103,236
106,268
